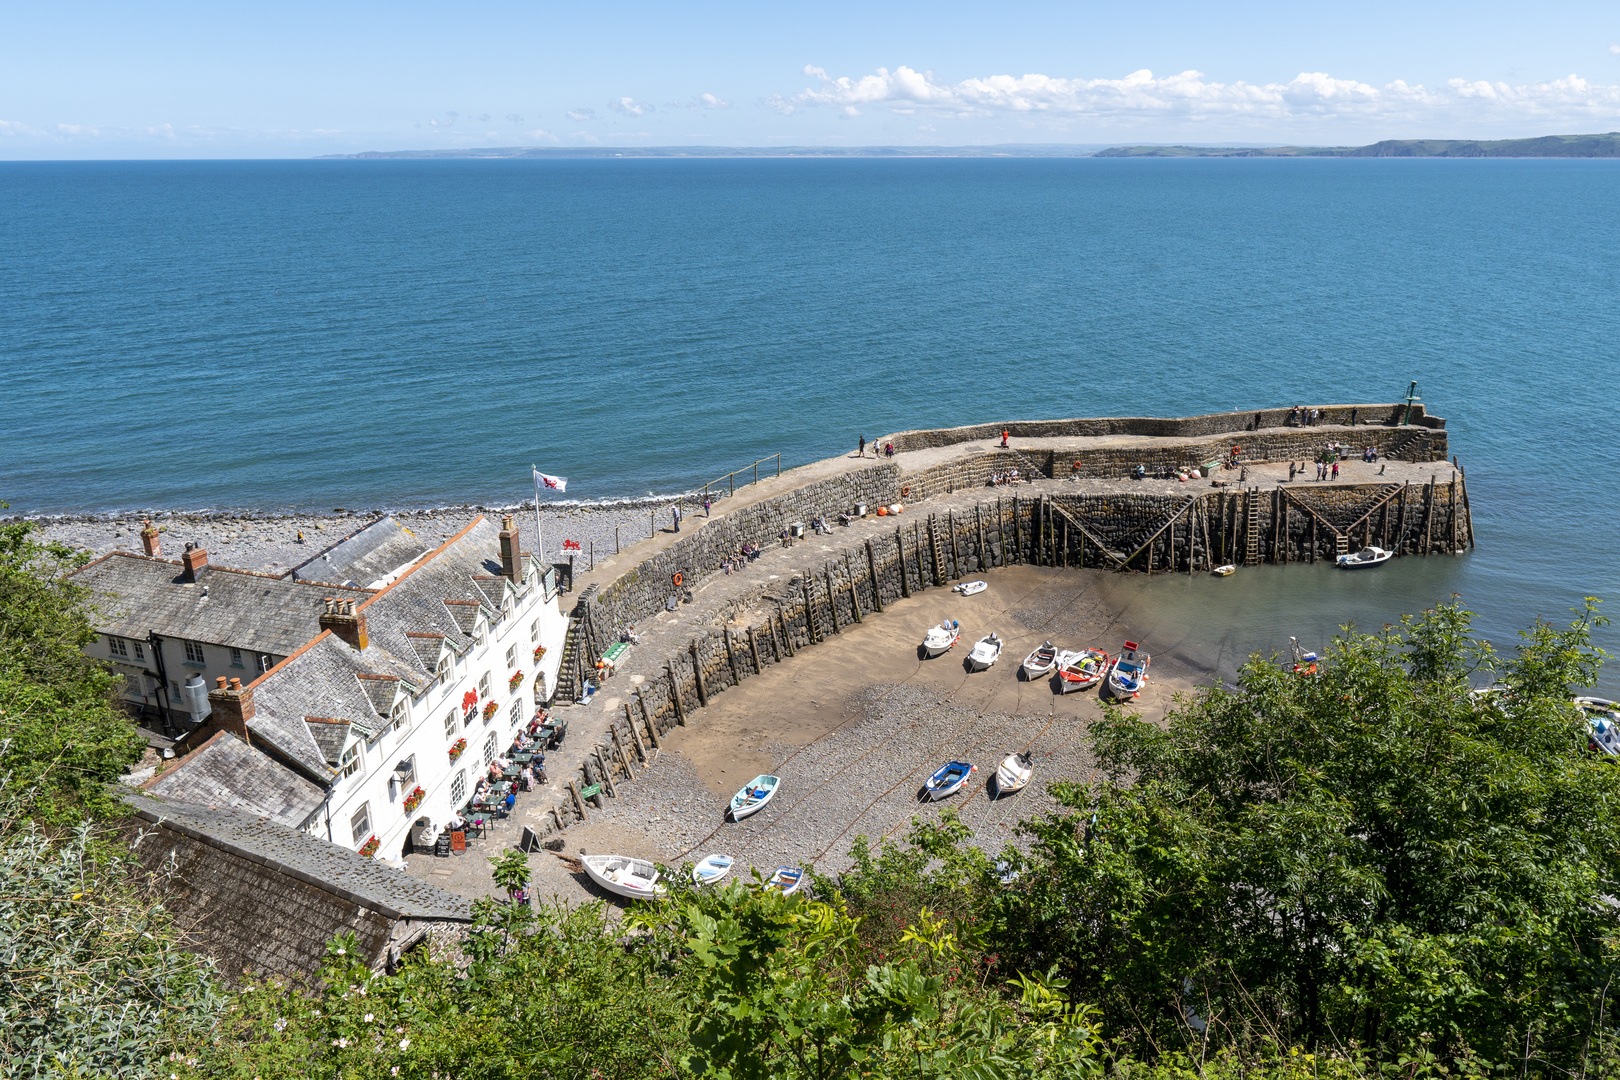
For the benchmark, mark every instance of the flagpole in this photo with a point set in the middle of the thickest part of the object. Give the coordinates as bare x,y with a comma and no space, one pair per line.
539,537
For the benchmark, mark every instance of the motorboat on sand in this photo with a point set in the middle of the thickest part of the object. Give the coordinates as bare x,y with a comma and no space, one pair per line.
1014,772
949,780
753,796
942,638
1129,673
1081,669
624,876
711,869
1040,662
986,651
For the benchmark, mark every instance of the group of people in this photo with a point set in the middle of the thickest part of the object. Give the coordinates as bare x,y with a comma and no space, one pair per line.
1308,417
887,451
1002,479
745,554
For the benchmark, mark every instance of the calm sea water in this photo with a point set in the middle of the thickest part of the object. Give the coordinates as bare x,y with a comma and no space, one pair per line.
320,334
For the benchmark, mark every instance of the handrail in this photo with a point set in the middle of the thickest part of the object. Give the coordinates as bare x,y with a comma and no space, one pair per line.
730,478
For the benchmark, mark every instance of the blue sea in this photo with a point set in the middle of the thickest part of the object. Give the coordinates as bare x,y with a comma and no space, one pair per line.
314,334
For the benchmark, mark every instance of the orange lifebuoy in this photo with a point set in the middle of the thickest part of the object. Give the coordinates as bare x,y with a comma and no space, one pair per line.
677,580
904,492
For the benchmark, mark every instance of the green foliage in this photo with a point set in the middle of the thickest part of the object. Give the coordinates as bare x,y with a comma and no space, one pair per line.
66,740
510,871
1368,855
90,974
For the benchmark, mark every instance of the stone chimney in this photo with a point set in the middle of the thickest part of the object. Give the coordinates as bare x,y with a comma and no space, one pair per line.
149,540
195,559
510,555
231,707
345,622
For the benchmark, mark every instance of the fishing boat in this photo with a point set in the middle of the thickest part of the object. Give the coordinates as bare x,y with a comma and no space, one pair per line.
942,638
1602,725
1305,663
968,588
711,869
624,876
1368,556
786,880
1129,673
1040,662
949,780
1014,772
753,796
986,651
1081,670
1225,571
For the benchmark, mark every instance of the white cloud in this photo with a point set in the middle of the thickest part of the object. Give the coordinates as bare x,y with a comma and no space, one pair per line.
1189,95
632,107
12,127
708,101
1615,49
539,133
582,114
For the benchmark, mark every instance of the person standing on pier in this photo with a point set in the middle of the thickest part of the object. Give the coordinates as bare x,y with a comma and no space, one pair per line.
862,451
1335,470
676,512
1004,439
1290,472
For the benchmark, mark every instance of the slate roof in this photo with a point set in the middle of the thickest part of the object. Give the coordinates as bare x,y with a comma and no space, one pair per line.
225,771
366,557
438,596
310,859
253,612
329,735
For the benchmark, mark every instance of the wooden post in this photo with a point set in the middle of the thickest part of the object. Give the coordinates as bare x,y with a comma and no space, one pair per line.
753,647
697,673
731,657
854,597
905,575
1223,528
787,638
635,739
1313,539
809,617
556,817
646,713
877,588
629,772
1018,530
1428,517
1192,537
1467,510
652,736
675,696
607,773
1209,554
1001,530
579,803
832,600
950,536
1452,497
984,553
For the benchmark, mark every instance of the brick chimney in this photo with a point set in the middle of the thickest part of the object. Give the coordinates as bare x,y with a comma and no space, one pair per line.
231,708
195,559
510,555
149,540
344,622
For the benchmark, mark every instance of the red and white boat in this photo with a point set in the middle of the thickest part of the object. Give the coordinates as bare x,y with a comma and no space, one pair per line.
1129,673
1081,670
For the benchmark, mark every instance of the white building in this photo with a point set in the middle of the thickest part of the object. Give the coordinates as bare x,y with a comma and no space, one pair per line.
383,715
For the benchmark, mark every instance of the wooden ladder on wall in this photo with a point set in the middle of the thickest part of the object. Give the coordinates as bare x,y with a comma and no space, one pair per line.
1341,544
1251,529
938,552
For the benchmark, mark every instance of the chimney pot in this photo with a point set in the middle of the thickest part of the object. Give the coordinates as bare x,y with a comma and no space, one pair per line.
230,708
220,682
510,555
194,560
344,622
236,685
150,542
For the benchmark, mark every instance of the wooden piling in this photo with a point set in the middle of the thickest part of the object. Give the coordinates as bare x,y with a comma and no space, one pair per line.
1468,510
984,552
877,587
753,647
629,772
832,600
675,696
787,638
579,803
731,657
1428,517
697,674
905,575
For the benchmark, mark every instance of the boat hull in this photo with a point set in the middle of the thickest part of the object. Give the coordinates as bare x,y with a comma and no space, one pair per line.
619,875
742,807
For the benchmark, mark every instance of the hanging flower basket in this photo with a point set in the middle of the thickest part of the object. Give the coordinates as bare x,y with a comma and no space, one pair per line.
414,799
458,749
539,653
469,702
490,708
515,681
369,848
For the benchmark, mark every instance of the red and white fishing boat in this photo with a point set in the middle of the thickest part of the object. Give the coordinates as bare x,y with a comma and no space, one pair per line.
1081,670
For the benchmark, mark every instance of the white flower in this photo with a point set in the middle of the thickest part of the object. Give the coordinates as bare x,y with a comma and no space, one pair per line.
404,1044
369,1018
343,952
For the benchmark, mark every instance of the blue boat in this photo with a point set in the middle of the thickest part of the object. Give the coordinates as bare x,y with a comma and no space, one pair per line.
949,779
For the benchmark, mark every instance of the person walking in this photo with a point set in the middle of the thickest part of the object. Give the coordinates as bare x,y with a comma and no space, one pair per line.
1335,470
675,511
1004,439
708,506
1290,471
862,451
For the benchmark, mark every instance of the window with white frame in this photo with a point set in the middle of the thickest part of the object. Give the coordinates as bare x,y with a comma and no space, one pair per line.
511,658
236,657
397,718
534,630
489,748
349,763
452,724
360,823
516,716
444,669
483,686
140,653
458,789
194,653
116,646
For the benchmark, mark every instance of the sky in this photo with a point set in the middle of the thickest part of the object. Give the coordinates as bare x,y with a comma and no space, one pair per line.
159,79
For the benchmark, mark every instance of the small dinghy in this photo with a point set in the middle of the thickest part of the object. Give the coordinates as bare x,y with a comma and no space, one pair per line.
1369,556
1305,663
968,588
1040,662
1602,725
1225,571
949,780
786,880
1129,673
1014,772
1081,670
942,638
986,651
754,795
711,869
623,876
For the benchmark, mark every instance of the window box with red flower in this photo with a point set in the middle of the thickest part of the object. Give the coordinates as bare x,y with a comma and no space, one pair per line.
414,799
369,848
515,681
490,708
458,749
539,653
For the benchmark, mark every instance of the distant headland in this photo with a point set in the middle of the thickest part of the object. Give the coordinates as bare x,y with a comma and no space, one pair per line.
1546,146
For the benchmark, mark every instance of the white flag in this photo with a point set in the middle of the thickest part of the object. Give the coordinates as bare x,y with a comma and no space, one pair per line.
555,483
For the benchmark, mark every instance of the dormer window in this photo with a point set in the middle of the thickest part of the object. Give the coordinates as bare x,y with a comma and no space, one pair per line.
444,669
349,763
396,719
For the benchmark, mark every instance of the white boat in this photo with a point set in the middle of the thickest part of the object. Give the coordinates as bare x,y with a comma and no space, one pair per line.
1602,724
1305,663
1040,662
942,638
949,780
624,876
786,880
1081,670
968,588
753,796
1129,673
1369,556
1014,772
711,869
1225,571
985,652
